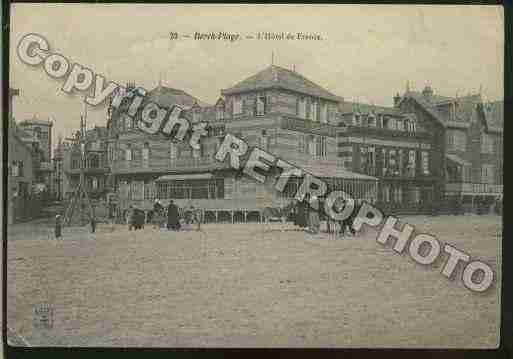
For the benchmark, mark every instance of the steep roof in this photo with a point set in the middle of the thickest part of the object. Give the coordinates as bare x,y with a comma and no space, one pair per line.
35,121
167,97
279,77
351,107
465,109
428,107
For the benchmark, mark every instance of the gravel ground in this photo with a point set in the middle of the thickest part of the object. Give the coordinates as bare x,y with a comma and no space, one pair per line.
248,285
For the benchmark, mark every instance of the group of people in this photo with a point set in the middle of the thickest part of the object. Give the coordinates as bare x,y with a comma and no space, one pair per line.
170,217
308,213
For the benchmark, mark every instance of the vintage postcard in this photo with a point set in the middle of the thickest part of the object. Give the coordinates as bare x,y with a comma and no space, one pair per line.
254,175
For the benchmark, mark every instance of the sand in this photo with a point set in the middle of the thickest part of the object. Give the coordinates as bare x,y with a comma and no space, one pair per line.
249,285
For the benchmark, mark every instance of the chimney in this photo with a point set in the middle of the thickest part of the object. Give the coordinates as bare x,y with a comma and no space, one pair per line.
427,92
397,98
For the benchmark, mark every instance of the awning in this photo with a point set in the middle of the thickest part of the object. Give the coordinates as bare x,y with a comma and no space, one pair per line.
458,160
183,177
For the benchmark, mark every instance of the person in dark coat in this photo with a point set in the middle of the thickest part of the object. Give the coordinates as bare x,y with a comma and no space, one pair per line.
301,214
58,226
172,217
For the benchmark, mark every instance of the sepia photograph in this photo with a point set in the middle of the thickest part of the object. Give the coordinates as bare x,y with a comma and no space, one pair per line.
254,176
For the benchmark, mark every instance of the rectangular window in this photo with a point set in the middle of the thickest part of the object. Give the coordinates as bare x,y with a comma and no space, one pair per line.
260,105
301,108
311,145
392,164
456,140
385,193
237,106
320,150
400,162
425,162
94,183
128,154
313,111
357,120
486,143
384,161
371,160
146,154
371,121
487,175
410,168
15,169
128,123
324,112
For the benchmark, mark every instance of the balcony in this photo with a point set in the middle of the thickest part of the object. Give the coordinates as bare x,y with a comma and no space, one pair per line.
167,165
473,188
386,132
317,128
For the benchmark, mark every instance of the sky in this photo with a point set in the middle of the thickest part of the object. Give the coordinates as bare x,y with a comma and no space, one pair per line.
367,52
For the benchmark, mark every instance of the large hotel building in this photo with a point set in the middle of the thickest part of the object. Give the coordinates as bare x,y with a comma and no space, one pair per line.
422,153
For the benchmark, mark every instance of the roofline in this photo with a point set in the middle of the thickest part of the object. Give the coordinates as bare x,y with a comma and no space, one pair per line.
225,92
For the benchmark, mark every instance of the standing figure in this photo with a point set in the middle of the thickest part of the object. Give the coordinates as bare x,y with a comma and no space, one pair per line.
93,225
172,217
302,214
313,216
196,217
131,217
58,226
157,213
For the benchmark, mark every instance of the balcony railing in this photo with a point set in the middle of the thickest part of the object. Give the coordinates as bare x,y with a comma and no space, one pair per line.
182,164
297,124
370,131
474,188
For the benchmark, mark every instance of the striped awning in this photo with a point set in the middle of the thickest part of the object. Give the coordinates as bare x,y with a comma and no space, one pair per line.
184,177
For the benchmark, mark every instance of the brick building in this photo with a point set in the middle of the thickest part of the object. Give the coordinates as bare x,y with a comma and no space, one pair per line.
394,146
468,140
276,109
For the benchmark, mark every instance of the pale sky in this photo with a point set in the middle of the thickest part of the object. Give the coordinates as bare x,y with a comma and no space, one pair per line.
368,52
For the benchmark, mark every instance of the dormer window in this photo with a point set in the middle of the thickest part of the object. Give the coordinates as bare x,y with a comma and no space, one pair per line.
237,106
